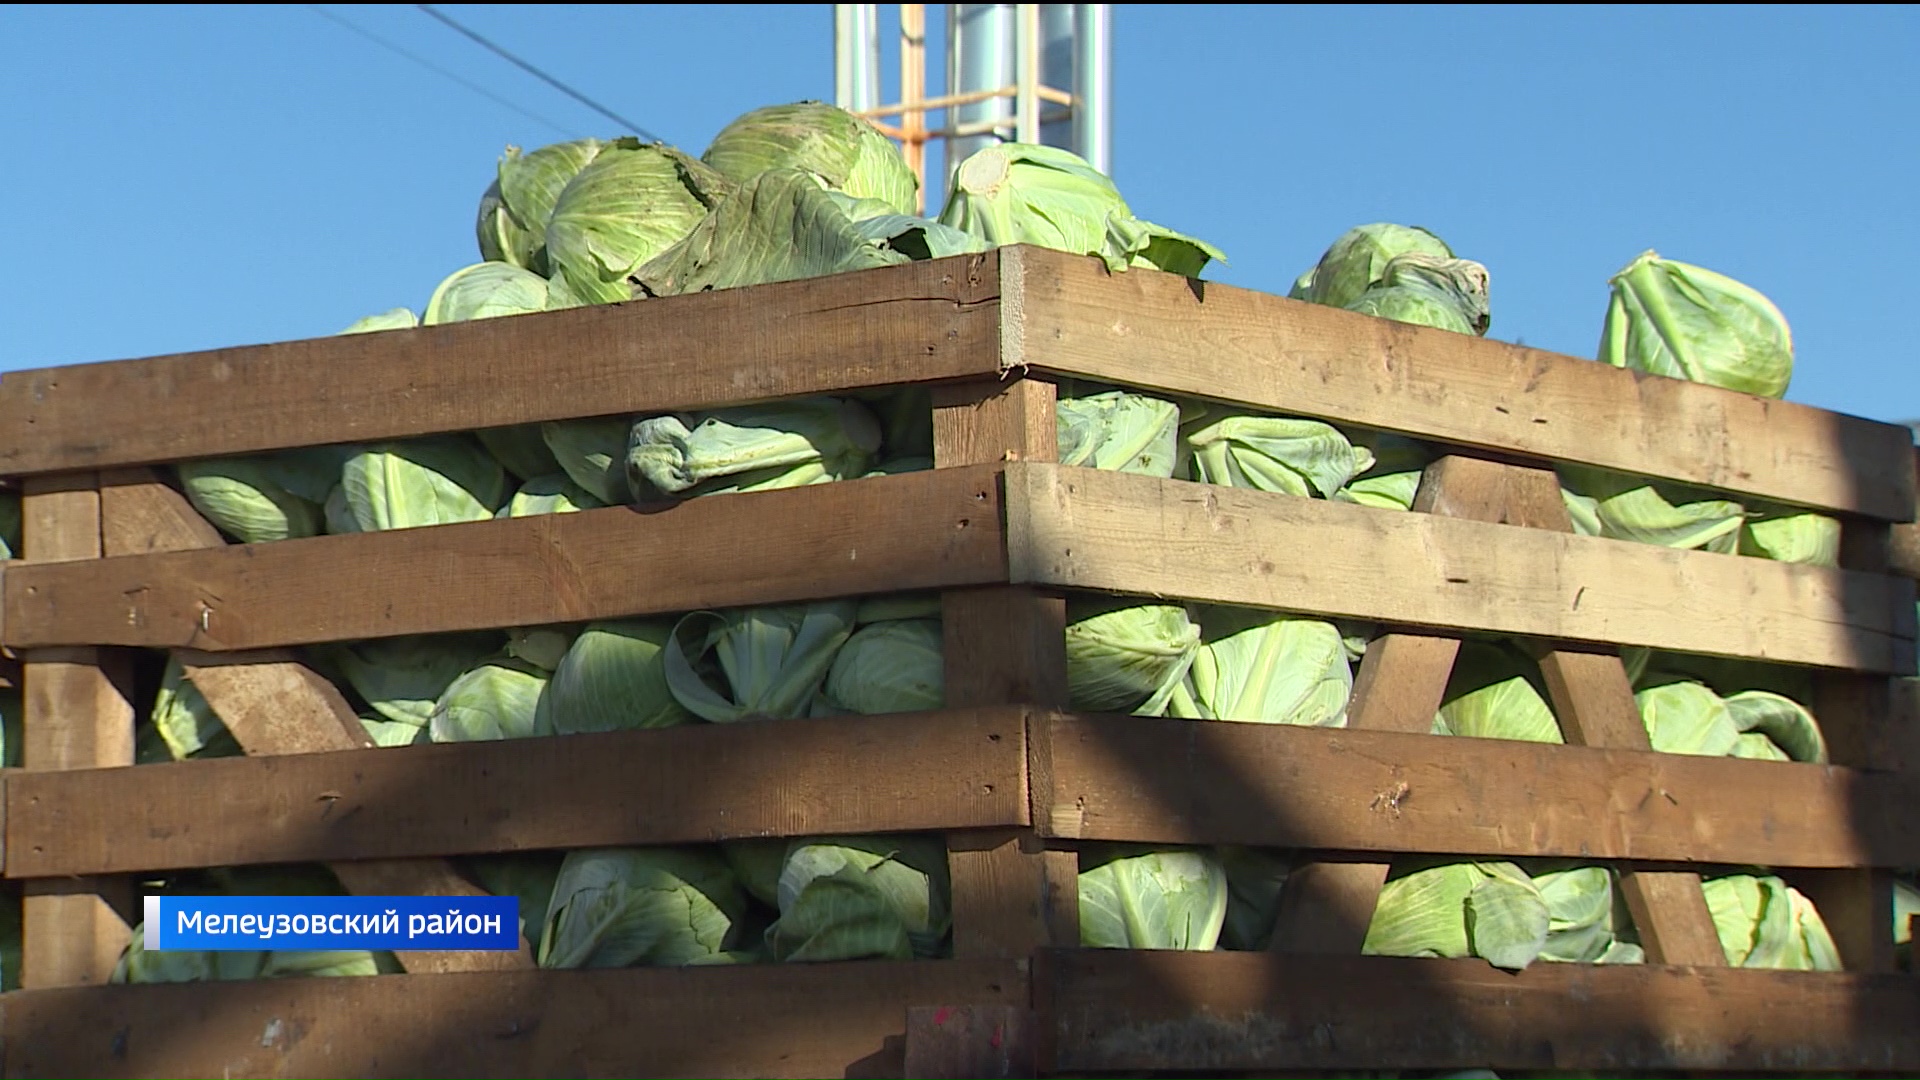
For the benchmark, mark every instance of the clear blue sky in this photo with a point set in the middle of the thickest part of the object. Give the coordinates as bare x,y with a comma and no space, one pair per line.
185,178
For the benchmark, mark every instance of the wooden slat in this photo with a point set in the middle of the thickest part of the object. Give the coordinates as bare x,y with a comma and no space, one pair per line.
1158,780
920,322
698,783
1088,529
966,1042
797,1020
275,704
1117,1011
1164,332
914,531
76,715
1004,645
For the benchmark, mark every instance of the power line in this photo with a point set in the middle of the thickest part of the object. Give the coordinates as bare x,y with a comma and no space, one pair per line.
543,76
437,69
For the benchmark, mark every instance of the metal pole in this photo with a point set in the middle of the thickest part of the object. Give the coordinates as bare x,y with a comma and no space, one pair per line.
869,78
1093,84
1056,71
913,74
1026,49
980,57
844,50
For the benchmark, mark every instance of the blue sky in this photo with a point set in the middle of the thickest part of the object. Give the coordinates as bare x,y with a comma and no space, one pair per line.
186,178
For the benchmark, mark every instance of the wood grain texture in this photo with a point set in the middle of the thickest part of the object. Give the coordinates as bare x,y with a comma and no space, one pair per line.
1159,780
773,1020
1163,332
921,322
1004,646
1115,1011
693,784
948,1042
1087,529
76,714
913,531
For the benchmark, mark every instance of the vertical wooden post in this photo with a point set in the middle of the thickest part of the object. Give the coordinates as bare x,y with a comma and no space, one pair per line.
1004,645
1857,717
76,716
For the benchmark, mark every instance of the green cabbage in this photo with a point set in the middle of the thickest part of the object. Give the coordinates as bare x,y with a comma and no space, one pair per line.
751,448
395,319
593,454
402,678
1126,657
437,480
1357,261
1426,290
1813,539
1255,880
553,494
512,225
1685,717
1269,669
888,667
1670,515
1496,693
528,877
846,151
182,723
1492,910
612,678
520,449
1393,479
631,203
625,907
485,291
1138,897
542,646
1018,193
1684,322
749,663
859,897
1273,453
1119,431
495,700
1585,917
266,497
1763,923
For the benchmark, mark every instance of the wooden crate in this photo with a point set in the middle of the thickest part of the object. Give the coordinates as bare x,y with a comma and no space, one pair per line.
118,560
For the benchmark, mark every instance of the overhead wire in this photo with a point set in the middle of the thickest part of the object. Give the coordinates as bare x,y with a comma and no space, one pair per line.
438,70
539,74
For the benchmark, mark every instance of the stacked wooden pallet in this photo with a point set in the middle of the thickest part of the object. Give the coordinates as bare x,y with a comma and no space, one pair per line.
116,560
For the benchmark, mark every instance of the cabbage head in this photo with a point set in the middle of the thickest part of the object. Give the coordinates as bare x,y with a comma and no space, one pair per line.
1584,917
394,319
1255,879
1268,669
403,678
528,877
1357,261
437,480
861,897
1019,193
1492,910
138,966
1763,923
1139,897
1448,294
1119,431
1495,692
628,907
553,494
1813,539
485,291
593,454
888,667
1393,478
542,646
512,225
1670,515
1685,717
751,448
1274,453
262,498
1685,322
185,724
846,151
755,663
612,678
631,203
495,700
1127,657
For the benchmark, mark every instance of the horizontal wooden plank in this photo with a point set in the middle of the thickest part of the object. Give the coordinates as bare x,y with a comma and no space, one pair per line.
1136,1011
950,770
1164,332
920,322
925,530
1118,532
1272,785
799,1020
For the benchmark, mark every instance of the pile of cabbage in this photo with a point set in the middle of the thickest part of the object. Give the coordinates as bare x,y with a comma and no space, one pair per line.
805,190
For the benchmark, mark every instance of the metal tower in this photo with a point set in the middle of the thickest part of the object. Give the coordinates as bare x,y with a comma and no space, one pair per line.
1006,63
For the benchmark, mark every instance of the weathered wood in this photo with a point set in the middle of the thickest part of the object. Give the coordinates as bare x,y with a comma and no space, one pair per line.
921,322
273,703
1159,780
1163,332
1115,1011
965,1041
952,770
1004,646
913,531
775,1020
75,715
1856,904
1088,529
140,514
